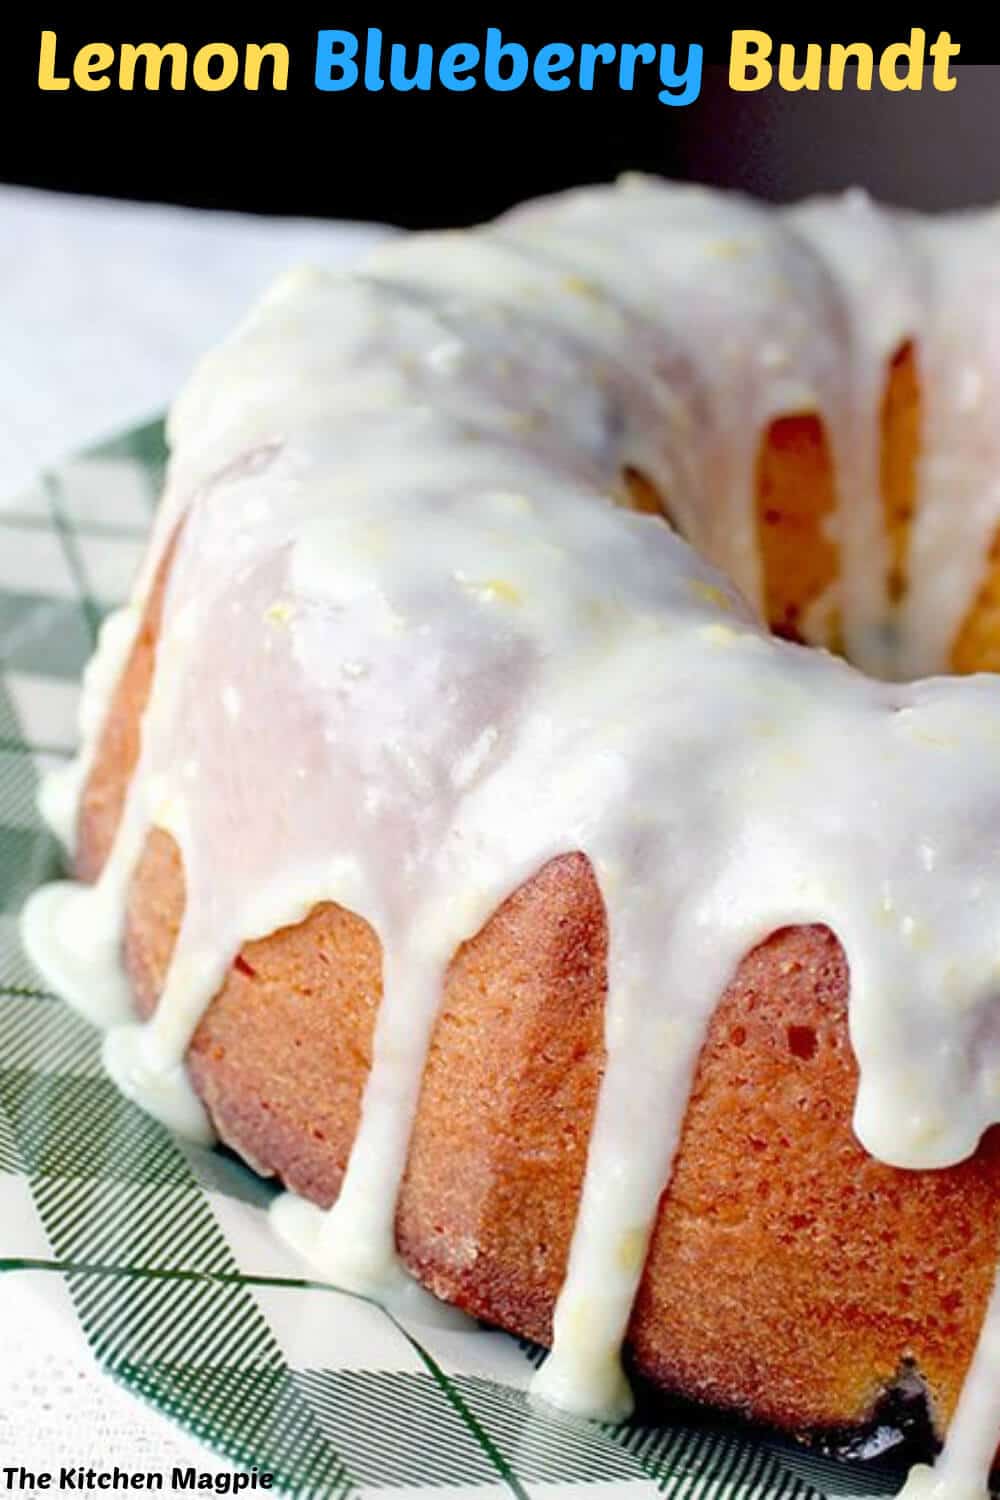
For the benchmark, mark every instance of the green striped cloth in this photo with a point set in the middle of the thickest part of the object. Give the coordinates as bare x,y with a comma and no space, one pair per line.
177,1283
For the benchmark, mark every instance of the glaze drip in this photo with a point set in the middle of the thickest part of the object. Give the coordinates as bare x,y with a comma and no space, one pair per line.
412,650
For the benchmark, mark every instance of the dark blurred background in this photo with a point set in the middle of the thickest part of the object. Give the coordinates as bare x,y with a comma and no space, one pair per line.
437,158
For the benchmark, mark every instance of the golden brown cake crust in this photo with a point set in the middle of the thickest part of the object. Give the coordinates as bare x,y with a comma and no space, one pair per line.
790,1275
118,746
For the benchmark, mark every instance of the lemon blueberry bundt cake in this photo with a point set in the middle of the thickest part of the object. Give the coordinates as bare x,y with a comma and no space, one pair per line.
491,859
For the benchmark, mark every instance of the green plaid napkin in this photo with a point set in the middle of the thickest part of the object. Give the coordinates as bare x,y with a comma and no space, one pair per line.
177,1283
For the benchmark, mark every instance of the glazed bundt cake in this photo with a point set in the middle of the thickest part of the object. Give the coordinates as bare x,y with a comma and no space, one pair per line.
492,860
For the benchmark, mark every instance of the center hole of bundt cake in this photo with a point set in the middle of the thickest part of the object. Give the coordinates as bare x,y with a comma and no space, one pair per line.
794,503
796,499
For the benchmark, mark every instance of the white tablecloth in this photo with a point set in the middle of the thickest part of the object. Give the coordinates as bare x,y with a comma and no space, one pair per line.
103,308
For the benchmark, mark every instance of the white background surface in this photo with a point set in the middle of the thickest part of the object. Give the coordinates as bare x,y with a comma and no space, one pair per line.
103,309
105,306
58,1408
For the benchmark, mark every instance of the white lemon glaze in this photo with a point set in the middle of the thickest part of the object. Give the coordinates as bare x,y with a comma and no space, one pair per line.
61,790
411,651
